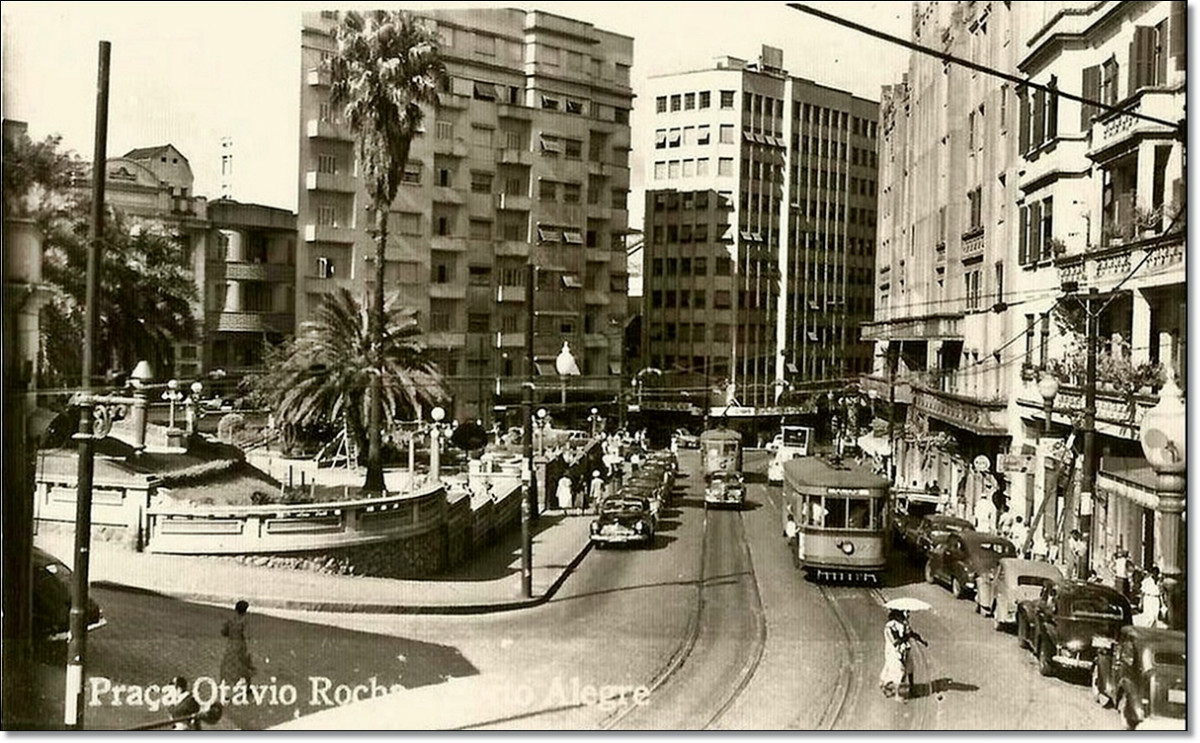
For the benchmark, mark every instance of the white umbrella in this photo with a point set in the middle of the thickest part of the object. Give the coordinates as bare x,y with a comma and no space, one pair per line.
907,604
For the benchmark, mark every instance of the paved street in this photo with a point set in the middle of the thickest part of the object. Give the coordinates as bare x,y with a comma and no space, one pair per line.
713,624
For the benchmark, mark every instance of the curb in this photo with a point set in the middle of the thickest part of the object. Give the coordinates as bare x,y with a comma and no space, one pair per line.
351,607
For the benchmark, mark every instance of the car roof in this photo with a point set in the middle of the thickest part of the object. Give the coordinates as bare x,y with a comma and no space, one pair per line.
41,559
1072,588
939,518
982,537
1022,566
1157,637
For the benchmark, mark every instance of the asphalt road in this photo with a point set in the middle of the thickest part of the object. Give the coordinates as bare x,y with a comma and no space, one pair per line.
713,622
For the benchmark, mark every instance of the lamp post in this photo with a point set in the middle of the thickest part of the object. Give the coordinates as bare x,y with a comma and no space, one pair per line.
566,366
1164,442
172,395
594,420
190,406
139,378
1048,389
435,453
541,426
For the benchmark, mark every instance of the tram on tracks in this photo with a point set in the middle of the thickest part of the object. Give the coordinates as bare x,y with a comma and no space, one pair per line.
720,451
843,519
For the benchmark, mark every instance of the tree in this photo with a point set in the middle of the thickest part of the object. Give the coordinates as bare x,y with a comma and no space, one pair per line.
323,376
387,66
146,294
36,176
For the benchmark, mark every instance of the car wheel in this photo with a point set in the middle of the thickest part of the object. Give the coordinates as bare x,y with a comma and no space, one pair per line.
1097,690
1128,714
928,573
957,589
1045,659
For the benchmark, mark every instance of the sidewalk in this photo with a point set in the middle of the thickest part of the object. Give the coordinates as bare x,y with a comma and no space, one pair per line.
489,582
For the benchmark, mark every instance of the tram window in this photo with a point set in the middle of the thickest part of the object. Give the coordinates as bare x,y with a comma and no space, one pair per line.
836,508
879,511
812,513
859,514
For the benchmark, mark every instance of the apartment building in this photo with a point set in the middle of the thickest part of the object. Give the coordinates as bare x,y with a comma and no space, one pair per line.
1008,214
760,232
1102,229
525,160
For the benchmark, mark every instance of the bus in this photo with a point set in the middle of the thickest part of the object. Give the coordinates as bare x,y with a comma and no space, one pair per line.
720,451
793,442
842,516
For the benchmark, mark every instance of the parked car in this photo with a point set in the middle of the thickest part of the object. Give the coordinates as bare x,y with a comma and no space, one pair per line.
685,439
1011,581
911,507
931,530
725,489
963,557
1068,621
623,520
52,600
1144,672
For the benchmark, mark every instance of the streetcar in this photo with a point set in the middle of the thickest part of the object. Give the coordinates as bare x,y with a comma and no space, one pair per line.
720,451
842,518
793,442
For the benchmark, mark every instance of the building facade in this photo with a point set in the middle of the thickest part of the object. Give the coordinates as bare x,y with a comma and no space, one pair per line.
759,233
526,160
1009,213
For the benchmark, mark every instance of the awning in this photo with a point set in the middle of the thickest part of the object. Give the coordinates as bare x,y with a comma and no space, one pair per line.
572,237
548,235
550,144
876,446
485,91
571,281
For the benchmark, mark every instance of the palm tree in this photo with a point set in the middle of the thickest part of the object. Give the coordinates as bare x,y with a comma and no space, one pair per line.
325,373
387,66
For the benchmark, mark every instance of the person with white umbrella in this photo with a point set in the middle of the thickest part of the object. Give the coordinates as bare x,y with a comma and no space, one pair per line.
898,635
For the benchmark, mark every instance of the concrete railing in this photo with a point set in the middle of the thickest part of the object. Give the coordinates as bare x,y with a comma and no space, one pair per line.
115,505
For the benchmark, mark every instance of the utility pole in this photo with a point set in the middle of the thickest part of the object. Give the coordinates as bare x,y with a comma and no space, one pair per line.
77,638
1088,486
892,361
529,505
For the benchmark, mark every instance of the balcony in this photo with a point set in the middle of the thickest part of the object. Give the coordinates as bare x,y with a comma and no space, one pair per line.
513,202
1107,267
454,100
319,129
326,233
450,147
448,243
973,244
510,293
1117,130
564,215
1117,415
603,170
319,285
276,273
511,111
595,298
512,249
252,322
318,78
929,327
447,291
597,255
982,417
882,390
446,340
514,157
510,340
447,195
339,182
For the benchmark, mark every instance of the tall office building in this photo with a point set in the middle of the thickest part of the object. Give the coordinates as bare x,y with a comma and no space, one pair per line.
526,159
759,233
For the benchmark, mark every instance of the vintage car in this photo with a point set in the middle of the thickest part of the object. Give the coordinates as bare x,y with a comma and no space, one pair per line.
1068,621
52,600
931,530
1011,581
910,507
623,520
684,439
1144,671
725,488
963,557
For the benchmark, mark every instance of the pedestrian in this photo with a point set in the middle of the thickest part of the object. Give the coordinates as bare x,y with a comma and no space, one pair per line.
596,492
564,494
185,710
1076,554
1041,547
1005,523
985,514
236,665
897,647
1151,601
791,533
1019,534
1121,571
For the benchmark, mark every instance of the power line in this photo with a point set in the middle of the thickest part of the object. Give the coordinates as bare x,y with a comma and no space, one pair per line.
950,58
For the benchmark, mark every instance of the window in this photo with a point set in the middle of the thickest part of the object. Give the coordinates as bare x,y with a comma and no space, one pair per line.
1148,57
550,145
660,139
444,177
700,266
1047,229
442,271
326,164
547,191
723,267
675,102
660,170
698,299
444,130
702,134
412,172
572,193
480,229
725,166
1000,282
727,99
727,133
1109,84
481,136
689,101
407,223
972,286
705,99
513,140
574,107
660,104
483,91
673,169
481,181
326,215
325,268
674,138
721,299
721,333
689,168
478,322
573,149
702,166
975,209
550,104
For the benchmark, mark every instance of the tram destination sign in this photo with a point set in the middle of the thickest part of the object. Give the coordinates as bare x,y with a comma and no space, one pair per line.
848,491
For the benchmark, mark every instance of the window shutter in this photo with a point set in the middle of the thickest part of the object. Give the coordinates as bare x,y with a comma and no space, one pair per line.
1038,133
1023,120
1035,231
1091,91
1052,111
1178,34
1141,58
1022,253
1160,52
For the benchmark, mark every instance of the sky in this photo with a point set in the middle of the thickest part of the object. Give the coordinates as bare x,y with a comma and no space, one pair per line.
192,73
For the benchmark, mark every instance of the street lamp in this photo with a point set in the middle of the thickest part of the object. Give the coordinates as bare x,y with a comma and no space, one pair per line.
1048,389
172,395
566,366
594,419
139,379
541,426
1164,442
435,453
190,406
